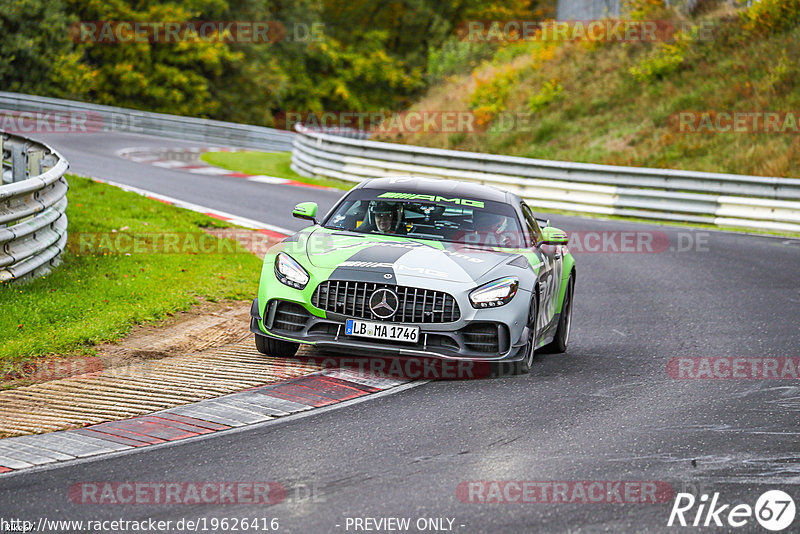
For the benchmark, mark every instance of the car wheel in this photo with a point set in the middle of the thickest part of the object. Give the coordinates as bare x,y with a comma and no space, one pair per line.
524,365
559,343
275,347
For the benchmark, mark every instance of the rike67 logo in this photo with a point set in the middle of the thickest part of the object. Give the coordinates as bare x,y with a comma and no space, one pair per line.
774,510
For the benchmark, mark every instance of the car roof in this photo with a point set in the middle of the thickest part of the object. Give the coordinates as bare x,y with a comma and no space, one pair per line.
434,186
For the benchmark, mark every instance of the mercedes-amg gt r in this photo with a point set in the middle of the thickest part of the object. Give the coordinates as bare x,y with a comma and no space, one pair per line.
419,267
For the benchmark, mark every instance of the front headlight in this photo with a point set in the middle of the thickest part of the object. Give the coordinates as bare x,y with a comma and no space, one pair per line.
289,272
495,293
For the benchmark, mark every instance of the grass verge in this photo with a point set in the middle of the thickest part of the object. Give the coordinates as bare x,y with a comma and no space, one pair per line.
98,296
267,163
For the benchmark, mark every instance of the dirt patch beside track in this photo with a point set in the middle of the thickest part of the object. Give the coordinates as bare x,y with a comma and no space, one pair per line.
207,325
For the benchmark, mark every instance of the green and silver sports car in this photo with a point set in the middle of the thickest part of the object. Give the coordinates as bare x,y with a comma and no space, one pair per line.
419,267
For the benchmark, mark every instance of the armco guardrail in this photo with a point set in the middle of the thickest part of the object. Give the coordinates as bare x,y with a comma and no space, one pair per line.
659,194
97,118
33,200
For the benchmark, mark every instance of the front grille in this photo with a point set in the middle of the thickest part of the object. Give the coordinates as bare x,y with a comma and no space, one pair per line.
416,305
482,337
289,316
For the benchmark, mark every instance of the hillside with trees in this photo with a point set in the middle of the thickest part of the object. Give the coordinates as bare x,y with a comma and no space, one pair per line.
733,71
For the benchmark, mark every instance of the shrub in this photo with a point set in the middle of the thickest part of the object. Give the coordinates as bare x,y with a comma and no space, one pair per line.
489,97
770,16
783,76
550,92
457,57
642,9
664,59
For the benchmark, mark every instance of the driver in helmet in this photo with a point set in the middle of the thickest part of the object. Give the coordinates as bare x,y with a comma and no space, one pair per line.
386,218
493,229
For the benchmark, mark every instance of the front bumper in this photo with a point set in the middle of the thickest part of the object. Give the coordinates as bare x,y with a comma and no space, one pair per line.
479,341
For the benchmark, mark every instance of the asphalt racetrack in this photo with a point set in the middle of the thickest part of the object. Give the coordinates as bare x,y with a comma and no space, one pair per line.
617,408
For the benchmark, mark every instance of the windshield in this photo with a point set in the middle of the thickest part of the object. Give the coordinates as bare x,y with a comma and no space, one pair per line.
432,217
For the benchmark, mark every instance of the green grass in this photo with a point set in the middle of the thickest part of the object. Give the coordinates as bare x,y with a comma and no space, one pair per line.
93,298
267,163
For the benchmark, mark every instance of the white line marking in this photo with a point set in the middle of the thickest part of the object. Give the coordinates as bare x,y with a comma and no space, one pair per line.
266,179
618,332
209,170
169,164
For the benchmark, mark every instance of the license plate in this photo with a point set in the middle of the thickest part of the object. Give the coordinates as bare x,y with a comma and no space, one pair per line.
393,332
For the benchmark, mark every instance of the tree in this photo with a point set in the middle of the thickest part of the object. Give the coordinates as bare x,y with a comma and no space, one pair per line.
36,61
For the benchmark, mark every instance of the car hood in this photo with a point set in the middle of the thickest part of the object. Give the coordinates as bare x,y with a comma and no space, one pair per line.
377,259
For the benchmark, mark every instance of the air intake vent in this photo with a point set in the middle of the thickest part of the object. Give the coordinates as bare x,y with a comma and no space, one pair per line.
289,316
482,338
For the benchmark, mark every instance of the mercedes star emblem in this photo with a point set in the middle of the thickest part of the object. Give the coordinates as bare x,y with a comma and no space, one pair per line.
384,303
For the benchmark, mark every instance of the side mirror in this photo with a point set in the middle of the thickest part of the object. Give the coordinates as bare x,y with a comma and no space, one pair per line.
554,236
306,210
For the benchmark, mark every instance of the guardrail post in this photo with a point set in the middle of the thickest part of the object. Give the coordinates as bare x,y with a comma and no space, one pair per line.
35,162
19,163
48,162
5,174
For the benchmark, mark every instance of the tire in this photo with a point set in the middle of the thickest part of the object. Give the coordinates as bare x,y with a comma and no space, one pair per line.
561,339
275,347
523,367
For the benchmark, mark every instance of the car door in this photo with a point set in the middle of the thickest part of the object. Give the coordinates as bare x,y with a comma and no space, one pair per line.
549,275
